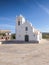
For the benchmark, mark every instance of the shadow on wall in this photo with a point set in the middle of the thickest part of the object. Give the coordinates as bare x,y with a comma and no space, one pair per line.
19,42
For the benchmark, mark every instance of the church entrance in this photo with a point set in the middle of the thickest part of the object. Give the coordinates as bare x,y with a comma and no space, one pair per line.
26,38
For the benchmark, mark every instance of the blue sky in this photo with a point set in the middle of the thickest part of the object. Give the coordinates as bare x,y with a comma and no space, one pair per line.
35,11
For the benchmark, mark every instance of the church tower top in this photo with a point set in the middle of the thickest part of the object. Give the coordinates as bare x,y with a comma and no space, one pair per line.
20,15
20,18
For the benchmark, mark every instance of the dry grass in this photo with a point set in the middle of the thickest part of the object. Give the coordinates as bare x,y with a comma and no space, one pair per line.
25,54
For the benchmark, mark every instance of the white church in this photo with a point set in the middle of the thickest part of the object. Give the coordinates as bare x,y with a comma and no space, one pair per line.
25,31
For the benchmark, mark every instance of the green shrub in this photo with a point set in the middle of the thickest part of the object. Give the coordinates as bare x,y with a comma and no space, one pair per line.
45,35
13,36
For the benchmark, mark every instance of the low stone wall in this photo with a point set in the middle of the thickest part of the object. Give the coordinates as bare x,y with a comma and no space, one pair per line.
18,42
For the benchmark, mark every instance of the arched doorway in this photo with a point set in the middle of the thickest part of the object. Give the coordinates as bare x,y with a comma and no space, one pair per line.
26,38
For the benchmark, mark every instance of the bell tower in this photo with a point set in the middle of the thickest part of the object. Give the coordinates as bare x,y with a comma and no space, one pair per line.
19,22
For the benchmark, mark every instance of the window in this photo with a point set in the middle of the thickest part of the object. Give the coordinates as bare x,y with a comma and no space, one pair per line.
8,37
2,38
26,28
8,33
18,22
34,35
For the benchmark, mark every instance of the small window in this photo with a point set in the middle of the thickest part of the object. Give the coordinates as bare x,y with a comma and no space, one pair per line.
18,22
8,37
26,28
2,38
34,35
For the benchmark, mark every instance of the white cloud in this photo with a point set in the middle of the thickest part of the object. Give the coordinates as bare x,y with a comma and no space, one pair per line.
7,19
43,7
6,26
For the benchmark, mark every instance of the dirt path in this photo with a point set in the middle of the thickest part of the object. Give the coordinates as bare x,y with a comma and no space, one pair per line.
25,54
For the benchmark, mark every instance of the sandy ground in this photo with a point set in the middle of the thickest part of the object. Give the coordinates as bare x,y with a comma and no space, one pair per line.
25,54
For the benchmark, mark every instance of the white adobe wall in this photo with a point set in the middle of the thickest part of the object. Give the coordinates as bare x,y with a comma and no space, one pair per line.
39,37
20,33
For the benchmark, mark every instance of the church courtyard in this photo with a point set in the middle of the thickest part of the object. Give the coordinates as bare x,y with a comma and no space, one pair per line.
25,54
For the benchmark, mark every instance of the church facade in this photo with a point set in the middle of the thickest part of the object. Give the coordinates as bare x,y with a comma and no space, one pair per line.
25,31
